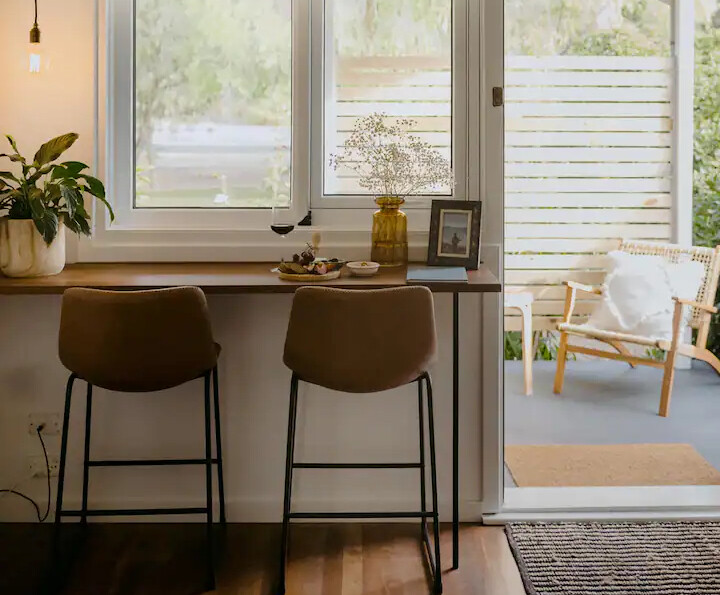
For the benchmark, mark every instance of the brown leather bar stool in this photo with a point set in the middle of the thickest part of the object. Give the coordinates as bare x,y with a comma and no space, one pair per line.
363,342
140,342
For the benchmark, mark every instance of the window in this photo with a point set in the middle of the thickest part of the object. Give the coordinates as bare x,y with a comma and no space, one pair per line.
213,97
386,56
218,111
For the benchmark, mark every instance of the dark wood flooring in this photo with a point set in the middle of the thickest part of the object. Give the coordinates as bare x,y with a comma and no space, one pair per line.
339,559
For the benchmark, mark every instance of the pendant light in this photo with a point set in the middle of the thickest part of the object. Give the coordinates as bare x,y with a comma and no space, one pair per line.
35,60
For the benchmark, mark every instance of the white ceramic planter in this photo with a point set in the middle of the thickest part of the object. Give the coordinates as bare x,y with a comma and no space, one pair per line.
24,253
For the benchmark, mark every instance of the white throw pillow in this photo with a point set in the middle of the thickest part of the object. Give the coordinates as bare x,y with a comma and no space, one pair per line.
638,294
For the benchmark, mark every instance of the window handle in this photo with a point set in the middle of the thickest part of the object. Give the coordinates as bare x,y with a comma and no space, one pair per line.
498,94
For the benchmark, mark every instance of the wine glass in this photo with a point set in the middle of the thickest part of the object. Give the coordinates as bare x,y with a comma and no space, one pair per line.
282,221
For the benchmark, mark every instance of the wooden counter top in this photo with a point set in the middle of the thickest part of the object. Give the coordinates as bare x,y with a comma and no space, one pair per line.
218,278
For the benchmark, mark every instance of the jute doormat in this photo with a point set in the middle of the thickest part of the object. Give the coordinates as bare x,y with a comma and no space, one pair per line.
578,465
618,559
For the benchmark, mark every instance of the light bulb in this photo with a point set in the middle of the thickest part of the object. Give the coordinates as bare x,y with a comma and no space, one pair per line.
35,59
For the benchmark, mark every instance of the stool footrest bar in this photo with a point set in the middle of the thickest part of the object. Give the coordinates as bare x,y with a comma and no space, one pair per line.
360,515
147,462
357,465
133,512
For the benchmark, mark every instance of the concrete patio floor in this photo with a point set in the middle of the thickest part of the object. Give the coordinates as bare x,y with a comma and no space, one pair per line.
610,403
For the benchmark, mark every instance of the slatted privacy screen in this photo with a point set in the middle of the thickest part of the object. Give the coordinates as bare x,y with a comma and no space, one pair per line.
415,87
588,163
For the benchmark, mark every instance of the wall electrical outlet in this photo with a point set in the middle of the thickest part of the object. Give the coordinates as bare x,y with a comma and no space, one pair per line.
51,422
36,465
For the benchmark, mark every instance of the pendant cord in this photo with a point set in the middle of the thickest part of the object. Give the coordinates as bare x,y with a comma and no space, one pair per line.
36,12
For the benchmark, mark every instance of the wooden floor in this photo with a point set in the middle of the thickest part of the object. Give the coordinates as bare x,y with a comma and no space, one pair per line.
340,559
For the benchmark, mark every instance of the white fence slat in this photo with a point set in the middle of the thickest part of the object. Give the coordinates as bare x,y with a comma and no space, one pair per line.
591,94
556,308
437,139
604,110
588,63
587,185
423,124
560,245
540,323
550,292
588,200
560,78
592,154
608,124
555,261
408,109
640,231
347,77
423,63
588,139
388,93
552,277
588,170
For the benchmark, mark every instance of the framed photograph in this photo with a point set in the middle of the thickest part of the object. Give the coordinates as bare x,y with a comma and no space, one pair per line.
455,233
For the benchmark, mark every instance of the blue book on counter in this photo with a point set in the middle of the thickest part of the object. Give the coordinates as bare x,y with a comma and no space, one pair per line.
437,275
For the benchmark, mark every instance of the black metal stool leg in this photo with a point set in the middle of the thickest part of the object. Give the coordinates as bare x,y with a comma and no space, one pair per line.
208,487
86,458
55,579
423,499
218,446
289,462
433,473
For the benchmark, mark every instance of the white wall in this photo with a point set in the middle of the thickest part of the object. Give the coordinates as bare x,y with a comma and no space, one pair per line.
254,382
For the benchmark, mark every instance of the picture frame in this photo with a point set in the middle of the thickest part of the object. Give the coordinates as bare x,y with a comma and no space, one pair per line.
455,230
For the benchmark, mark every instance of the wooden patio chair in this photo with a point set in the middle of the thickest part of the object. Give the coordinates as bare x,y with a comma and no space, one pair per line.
702,311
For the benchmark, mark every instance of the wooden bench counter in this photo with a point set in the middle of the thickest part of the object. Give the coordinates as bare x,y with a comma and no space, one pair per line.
246,278
219,278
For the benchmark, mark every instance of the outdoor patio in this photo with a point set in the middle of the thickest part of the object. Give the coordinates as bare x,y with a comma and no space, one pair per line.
610,403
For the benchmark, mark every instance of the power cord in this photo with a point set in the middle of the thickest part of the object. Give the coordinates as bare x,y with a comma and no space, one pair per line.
40,516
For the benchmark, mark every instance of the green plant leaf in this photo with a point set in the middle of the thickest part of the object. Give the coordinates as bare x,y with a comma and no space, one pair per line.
6,175
12,142
52,149
47,225
96,187
14,157
72,197
39,173
74,167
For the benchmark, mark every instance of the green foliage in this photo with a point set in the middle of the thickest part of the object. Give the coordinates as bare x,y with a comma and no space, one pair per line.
707,148
547,345
49,193
219,64
581,27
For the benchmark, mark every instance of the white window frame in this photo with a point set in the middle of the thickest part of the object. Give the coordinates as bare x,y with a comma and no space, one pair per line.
219,234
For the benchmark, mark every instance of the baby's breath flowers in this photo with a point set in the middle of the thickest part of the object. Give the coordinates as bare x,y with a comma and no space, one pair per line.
392,162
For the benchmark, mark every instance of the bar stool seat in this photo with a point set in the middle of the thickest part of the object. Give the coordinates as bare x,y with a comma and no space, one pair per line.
363,342
140,342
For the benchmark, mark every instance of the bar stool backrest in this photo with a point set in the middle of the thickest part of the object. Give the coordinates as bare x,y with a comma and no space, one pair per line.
362,341
136,341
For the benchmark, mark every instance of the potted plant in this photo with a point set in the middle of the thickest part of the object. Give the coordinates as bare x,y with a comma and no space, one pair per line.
392,164
38,203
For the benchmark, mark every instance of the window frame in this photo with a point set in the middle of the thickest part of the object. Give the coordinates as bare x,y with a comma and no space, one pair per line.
218,234
120,133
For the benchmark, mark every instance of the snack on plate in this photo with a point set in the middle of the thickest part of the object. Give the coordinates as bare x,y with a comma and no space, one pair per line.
306,264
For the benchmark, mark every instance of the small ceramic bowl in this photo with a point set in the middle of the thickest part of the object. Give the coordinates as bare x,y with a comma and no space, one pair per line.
363,268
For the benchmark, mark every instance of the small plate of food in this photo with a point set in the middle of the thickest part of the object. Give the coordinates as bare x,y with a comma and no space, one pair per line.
306,267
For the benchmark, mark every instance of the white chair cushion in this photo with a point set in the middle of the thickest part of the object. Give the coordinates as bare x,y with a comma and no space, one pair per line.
638,294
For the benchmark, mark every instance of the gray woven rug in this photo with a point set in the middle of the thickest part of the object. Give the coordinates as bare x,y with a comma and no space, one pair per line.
618,559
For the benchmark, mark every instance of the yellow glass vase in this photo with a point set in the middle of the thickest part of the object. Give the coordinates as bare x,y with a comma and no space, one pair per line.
389,234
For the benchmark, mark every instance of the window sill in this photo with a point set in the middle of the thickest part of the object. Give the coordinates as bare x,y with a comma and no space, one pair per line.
261,245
